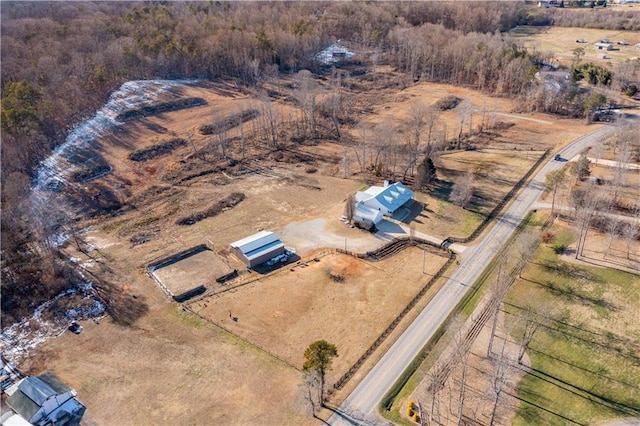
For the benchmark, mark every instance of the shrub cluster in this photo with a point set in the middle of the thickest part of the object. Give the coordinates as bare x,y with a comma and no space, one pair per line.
157,150
447,103
226,203
228,123
160,108
91,173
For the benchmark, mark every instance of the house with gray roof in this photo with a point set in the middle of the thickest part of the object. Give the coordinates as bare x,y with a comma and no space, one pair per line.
45,400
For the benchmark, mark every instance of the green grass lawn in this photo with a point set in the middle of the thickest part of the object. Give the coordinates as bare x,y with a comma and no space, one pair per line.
586,357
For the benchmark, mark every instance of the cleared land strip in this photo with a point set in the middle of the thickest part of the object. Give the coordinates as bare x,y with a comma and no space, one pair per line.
363,401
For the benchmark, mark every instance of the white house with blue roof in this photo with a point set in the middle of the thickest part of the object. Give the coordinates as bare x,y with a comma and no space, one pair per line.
378,201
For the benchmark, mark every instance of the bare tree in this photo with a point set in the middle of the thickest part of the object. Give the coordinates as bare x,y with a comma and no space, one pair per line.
237,117
531,322
586,203
499,378
436,384
630,234
336,100
552,181
362,159
382,141
307,93
350,207
271,121
462,190
432,119
621,169
526,246
499,287
311,391
612,230
464,110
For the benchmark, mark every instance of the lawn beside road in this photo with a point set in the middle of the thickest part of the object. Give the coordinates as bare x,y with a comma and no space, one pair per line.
585,355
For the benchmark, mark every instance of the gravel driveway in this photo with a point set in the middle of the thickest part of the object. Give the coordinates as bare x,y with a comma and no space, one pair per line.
311,235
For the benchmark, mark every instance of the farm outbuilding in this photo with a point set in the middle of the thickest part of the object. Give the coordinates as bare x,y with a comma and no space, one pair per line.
386,199
604,46
258,248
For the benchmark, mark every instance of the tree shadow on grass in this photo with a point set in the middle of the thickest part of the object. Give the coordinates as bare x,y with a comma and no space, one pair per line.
573,294
586,370
627,408
570,270
124,307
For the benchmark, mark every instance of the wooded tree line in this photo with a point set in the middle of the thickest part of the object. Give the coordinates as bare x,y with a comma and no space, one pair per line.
606,19
60,61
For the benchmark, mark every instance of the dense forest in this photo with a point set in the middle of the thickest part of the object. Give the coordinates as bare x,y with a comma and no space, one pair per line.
60,61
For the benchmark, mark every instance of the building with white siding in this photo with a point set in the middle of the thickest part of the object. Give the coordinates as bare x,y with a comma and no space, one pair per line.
258,248
386,199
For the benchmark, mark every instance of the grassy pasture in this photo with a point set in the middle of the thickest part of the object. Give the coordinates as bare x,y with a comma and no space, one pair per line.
585,360
562,41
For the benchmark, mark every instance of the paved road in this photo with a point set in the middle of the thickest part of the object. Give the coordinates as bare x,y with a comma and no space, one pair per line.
360,407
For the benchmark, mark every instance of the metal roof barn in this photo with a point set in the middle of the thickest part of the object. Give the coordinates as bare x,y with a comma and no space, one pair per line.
258,248
388,198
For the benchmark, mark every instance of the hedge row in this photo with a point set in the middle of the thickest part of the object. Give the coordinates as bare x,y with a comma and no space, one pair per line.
157,150
160,108
228,123
90,173
226,203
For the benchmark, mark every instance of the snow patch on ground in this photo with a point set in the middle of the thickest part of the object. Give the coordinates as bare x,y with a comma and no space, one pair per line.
17,340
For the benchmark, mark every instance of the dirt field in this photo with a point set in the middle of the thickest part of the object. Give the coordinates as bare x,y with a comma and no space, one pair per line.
289,310
199,269
562,41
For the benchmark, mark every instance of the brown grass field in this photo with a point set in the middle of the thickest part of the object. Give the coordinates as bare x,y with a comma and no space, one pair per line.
172,367
288,311
562,41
